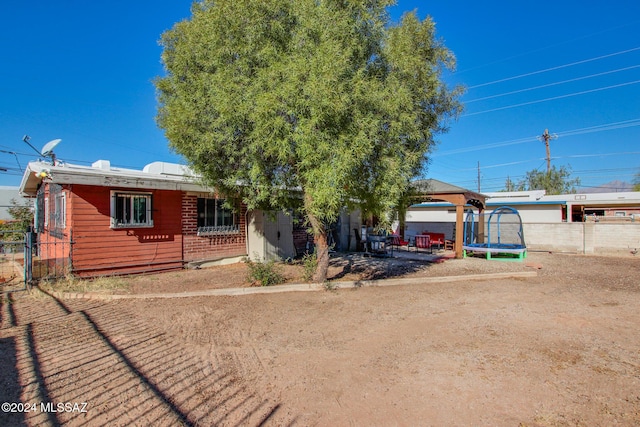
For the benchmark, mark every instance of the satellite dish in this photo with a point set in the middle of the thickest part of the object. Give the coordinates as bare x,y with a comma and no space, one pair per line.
47,150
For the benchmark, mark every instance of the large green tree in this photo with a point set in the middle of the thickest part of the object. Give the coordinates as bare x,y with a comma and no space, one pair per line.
321,102
555,181
636,182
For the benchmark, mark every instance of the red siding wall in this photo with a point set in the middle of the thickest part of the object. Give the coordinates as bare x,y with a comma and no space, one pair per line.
198,248
98,249
101,250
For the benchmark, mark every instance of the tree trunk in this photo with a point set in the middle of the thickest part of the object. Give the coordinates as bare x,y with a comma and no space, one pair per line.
322,252
322,248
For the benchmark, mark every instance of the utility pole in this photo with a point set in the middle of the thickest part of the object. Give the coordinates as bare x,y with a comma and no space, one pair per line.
478,176
546,137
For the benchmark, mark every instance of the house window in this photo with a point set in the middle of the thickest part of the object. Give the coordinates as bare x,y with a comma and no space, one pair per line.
46,212
131,210
51,210
58,214
215,218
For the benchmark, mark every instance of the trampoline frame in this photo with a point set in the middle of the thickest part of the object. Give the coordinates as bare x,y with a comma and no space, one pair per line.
495,251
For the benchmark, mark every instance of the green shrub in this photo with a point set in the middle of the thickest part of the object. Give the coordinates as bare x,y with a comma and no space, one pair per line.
309,264
265,273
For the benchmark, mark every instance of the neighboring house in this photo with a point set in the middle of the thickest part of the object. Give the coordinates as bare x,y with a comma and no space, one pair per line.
102,220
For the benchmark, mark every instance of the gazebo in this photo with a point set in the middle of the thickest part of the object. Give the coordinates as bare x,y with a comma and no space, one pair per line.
431,190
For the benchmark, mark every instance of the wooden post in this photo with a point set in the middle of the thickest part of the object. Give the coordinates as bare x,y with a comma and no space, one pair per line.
459,229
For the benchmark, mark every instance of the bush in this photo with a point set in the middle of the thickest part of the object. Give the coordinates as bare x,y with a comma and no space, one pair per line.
265,273
310,264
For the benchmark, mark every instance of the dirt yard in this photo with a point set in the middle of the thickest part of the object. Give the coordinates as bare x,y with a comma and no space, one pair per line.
558,349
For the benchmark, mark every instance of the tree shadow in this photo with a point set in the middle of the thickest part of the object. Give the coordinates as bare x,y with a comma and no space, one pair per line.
9,382
375,268
125,371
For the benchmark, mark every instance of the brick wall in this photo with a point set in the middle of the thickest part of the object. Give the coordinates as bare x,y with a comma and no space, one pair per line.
200,248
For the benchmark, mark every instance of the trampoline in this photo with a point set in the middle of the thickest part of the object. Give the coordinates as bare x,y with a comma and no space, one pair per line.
505,238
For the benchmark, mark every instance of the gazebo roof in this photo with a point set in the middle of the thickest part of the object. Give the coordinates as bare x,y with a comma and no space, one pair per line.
433,189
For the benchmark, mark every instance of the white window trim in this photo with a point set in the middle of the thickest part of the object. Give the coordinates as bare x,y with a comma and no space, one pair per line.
116,225
46,211
60,208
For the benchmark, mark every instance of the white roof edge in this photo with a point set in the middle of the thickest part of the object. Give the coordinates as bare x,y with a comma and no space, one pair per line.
101,173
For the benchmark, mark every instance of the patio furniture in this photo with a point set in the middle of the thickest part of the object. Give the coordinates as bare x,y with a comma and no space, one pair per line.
379,245
397,241
436,238
423,241
449,245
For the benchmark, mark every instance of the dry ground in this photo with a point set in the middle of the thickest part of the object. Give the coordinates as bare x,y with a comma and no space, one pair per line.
559,349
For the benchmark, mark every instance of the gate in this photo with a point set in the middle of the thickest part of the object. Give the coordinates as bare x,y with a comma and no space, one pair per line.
12,261
24,258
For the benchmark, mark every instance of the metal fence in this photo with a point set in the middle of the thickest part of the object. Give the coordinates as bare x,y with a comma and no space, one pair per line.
24,259
12,256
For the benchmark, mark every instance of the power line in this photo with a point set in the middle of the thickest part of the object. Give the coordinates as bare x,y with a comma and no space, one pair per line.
600,128
496,183
546,47
554,68
519,162
552,98
551,84
626,153
580,131
483,147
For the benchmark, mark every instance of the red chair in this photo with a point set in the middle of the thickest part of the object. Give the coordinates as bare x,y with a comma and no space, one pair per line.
423,241
398,242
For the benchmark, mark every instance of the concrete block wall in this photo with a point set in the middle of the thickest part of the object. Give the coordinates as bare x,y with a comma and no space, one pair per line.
583,237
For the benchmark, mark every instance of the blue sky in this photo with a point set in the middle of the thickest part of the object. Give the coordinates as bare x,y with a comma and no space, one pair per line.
82,71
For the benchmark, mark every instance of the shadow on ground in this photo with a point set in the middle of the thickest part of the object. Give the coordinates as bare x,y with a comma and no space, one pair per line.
113,369
376,268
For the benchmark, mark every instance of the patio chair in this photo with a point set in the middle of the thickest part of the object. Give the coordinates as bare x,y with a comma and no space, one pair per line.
423,241
397,241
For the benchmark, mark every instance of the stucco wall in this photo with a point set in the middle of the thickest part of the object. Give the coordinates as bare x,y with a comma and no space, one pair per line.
528,213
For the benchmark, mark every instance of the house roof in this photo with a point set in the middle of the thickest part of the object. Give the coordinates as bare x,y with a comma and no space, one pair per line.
157,175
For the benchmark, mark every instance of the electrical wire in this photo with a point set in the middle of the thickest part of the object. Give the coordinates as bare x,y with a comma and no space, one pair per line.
580,131
540,49
551,84
553,98
553,68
